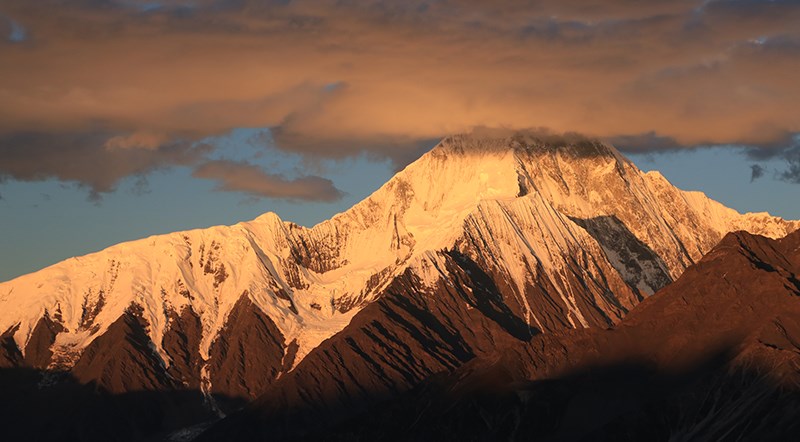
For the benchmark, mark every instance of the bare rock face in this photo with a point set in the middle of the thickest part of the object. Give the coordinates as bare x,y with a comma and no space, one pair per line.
10,356
182,345
37,353
123,359
248,353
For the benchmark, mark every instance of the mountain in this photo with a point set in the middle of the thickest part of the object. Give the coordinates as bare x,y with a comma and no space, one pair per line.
712,356
484,242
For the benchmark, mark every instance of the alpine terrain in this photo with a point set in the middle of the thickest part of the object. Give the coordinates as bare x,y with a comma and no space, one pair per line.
492,259
711,357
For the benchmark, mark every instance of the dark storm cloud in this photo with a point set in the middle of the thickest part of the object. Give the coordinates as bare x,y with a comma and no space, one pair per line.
756,172
792,171
86,159
234,176
786,149
340,78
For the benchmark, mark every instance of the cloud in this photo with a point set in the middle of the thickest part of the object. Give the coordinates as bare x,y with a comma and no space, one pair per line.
137,140
787,149
645,142
756,172
234,176
82,158
400,150
337,79
792,171
12,31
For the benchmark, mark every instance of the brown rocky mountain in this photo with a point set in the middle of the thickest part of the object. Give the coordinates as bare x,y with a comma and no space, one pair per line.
713,356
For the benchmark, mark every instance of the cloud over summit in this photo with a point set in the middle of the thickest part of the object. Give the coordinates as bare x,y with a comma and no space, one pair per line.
335,79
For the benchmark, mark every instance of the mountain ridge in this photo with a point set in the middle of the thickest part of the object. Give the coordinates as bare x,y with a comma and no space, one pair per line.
569,235
712,356
359,214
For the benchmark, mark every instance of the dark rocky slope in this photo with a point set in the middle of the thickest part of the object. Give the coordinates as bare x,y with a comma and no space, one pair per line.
714,356
120,389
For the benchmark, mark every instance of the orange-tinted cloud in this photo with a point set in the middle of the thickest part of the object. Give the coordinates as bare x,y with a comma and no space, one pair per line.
234,176
335,78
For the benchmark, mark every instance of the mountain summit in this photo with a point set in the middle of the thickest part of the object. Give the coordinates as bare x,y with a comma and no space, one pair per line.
484,238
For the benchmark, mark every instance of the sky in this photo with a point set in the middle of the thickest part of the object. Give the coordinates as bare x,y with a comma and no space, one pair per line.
122,118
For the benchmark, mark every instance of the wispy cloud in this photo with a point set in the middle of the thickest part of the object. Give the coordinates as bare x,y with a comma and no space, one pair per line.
237,176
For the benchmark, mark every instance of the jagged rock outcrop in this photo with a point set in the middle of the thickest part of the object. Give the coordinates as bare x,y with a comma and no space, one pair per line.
10,356
37,352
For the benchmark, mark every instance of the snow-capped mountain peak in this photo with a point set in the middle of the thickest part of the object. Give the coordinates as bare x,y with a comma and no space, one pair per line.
570,218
